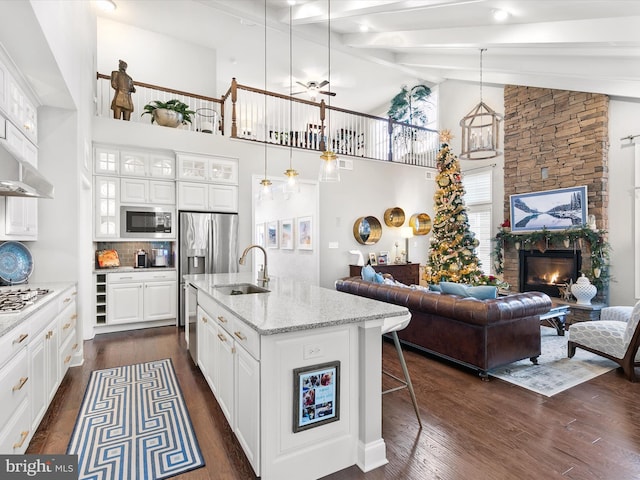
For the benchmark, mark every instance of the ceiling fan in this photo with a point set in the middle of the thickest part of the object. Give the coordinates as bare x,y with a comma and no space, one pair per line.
313,89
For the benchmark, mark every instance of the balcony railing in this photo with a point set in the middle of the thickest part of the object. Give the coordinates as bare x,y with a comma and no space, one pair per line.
258,115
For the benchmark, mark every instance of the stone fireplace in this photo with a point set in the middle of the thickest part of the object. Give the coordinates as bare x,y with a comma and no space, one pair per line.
548,270
555,139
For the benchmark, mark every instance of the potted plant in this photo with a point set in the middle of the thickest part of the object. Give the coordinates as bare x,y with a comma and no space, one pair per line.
170,113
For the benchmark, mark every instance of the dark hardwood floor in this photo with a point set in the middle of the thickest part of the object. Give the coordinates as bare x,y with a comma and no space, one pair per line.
472,429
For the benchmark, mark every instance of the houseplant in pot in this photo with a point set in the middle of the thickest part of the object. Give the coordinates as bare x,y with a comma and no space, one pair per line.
170,113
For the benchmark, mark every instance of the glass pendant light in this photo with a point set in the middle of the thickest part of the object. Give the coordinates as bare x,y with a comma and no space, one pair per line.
329,171
265,184
291,185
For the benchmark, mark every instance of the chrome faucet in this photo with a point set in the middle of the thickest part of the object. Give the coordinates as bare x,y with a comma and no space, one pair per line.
265,275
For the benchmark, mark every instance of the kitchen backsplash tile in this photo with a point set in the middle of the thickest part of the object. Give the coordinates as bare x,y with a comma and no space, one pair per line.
127,251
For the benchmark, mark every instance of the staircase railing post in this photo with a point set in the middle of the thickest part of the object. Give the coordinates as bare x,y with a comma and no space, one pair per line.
234,99
322,145
390,132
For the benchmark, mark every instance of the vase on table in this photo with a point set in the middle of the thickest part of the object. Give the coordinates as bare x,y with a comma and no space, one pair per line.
583,290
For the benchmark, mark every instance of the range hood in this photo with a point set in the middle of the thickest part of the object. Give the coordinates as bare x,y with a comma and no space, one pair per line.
19,178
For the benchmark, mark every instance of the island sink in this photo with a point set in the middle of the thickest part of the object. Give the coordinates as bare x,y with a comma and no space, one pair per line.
240,289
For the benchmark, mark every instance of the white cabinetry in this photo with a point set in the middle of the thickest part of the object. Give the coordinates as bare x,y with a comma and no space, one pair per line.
141,296
219,193
21,218
155,192
22,111
106,161
229,356
4,88
107,207
146,164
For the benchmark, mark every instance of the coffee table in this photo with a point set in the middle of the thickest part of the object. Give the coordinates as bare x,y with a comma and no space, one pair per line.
556,317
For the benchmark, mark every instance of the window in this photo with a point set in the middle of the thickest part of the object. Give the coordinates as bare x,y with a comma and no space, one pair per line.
478,196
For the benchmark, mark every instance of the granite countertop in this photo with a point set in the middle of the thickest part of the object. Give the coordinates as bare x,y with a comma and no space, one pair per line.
292,305
10,320
129,269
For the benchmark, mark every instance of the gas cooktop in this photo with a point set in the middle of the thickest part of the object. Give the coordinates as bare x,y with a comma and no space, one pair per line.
14,300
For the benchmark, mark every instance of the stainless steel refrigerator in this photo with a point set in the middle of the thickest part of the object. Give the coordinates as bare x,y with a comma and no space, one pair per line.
207,243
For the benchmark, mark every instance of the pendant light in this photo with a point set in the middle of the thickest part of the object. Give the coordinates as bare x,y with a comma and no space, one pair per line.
329,171
291,185
266,192
480,129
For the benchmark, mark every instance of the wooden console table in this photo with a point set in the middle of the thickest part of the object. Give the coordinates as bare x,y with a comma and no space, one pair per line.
407,273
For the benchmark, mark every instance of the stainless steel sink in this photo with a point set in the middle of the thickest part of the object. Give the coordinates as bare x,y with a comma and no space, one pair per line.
240,289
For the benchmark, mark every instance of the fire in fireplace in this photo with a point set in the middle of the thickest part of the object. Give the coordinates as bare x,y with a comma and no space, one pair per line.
545,272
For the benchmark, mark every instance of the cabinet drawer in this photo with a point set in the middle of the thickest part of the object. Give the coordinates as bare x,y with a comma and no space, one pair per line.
14,437
14,378
67,322
14,340
246,336
67,297
142,276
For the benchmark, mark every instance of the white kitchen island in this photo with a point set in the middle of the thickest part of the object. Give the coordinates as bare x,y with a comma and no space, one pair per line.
248,348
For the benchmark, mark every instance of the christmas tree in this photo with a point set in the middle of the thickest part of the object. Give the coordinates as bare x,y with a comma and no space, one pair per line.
452,257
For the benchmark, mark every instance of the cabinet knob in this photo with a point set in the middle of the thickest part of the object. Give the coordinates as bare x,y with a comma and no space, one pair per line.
20,384
204,319
66,325
68,359
67,300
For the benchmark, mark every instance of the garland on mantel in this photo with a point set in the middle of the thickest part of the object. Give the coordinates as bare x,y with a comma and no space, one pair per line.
541,239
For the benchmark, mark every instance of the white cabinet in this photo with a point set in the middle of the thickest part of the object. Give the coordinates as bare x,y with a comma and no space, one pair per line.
220,193
4,87
107,207
43,361
207,197
22,111
141,296
124,302
67,319
228,355
106,161
146,164
138,190
21,147
21,218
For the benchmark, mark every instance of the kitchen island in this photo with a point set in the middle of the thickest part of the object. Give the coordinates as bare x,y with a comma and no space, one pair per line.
258,352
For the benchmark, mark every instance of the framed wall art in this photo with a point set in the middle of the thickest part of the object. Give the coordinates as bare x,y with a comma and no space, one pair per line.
305,233
272,235
316,395
286,234
551,209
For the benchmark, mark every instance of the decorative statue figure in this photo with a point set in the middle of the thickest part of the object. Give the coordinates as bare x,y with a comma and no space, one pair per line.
123,85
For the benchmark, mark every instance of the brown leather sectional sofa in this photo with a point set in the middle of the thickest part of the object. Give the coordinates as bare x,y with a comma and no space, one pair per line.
481,334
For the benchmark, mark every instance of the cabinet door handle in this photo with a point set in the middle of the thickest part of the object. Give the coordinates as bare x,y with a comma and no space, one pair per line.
222,337
204,319
240,335
222,319
74,316
20,384
21,338
66,360
66,325
23,437
75,345
67,300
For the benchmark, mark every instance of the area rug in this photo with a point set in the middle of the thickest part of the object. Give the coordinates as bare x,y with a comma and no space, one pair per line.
133,424
555,372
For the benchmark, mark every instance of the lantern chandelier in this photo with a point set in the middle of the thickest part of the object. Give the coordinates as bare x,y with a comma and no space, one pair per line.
480,129
329,170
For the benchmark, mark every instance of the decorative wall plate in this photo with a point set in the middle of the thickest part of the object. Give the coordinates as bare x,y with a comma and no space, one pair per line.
367,230
421,223
16,263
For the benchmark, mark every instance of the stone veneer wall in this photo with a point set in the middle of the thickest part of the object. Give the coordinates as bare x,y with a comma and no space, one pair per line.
565,133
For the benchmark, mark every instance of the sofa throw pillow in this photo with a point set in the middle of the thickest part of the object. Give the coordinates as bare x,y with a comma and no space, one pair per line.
370,275
454,288
435,288
483,292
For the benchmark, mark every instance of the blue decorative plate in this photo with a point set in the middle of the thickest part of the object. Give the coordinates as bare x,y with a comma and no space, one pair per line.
16,262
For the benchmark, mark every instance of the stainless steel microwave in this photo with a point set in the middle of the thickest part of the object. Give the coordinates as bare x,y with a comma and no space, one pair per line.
147,222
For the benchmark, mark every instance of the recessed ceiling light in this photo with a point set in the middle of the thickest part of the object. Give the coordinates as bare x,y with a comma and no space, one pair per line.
500,15
291,2
107,5
364,28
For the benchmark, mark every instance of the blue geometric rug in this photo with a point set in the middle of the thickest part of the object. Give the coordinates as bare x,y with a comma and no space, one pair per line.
133,425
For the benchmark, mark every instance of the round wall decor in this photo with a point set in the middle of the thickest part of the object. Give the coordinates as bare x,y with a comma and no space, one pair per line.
421,223
367,230
394,217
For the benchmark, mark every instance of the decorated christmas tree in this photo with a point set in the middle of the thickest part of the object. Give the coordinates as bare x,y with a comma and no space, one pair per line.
452,257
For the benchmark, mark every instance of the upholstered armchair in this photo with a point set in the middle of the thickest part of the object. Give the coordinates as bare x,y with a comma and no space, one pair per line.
615,336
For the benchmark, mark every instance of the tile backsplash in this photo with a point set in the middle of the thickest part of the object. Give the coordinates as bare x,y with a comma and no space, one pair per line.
127,251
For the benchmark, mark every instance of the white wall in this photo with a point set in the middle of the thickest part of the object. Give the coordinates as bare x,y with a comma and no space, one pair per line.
157,59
